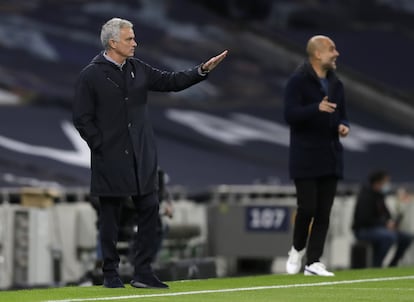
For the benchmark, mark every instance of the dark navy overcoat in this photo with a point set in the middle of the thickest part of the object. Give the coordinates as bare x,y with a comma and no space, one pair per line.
315,149
110,112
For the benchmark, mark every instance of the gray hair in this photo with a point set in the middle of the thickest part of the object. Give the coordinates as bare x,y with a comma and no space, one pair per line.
110,30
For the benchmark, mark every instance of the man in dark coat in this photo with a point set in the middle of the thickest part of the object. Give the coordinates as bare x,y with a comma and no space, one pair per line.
315,111
373,221
110,113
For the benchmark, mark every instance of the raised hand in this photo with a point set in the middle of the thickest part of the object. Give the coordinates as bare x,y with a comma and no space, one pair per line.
213,62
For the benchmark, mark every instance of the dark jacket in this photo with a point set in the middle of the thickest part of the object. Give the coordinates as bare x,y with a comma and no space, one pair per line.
315,149
110,113
370,210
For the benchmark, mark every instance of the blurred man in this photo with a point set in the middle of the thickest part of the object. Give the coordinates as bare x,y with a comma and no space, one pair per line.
315,111
374,223
110,113
166,209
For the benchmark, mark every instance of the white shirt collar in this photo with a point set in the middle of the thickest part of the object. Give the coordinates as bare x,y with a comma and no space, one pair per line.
112,61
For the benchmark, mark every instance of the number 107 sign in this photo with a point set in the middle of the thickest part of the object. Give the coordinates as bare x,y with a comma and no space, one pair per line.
267,218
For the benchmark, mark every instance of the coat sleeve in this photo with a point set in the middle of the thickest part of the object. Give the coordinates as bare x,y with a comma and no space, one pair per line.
294,111
84,112
171,81
342,110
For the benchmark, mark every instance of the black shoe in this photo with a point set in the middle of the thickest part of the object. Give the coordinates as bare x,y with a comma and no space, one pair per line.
113,282
148,281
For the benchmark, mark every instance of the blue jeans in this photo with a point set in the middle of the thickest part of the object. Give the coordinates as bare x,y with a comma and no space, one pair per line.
383,239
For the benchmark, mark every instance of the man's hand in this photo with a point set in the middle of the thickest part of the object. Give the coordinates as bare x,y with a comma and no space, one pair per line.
343,130
213,62
168,209
326,106
391,225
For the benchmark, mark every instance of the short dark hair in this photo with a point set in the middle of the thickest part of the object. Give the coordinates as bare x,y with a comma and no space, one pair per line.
377,176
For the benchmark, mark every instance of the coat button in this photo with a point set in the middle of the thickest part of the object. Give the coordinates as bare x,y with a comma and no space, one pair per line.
129,125
126,151
126,98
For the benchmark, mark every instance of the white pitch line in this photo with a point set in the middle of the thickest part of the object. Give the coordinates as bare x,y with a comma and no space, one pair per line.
228,290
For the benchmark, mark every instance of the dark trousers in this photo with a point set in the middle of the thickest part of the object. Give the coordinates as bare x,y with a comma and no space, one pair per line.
314,200
383,239
145,239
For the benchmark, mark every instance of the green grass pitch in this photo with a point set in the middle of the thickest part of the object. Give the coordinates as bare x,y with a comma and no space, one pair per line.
390,285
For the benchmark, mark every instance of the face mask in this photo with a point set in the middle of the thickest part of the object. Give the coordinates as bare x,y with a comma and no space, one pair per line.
386,188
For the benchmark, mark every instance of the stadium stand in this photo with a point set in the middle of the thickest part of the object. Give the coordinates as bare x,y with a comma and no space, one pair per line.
52,42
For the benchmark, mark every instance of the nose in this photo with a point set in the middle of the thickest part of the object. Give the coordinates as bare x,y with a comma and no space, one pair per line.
337,53
134,43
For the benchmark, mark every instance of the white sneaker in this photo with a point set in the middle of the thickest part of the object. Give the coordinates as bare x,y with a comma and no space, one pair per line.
317,269
294,262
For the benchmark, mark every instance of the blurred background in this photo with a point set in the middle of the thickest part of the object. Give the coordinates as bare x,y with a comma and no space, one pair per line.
223,143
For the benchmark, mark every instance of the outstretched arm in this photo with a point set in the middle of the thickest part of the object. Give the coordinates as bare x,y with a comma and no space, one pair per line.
175,81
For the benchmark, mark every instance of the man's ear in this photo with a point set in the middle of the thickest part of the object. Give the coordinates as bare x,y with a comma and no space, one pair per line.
112,43
317,54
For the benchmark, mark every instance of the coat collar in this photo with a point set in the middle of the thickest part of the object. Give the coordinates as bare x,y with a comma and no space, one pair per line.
100,59
108,58
307,69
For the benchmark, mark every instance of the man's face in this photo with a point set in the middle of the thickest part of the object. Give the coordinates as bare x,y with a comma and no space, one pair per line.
383,185
328,54
125,47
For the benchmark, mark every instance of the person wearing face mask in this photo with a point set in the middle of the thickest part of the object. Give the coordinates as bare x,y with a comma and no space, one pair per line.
374,223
